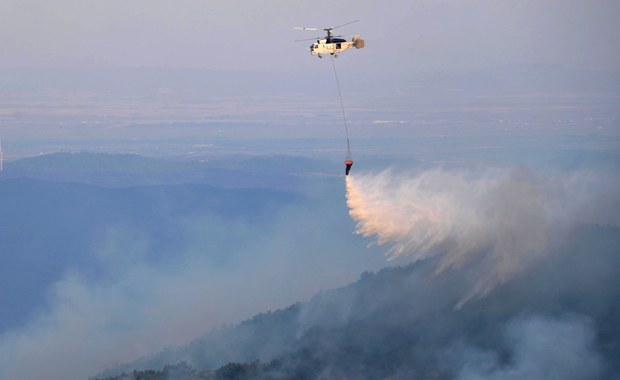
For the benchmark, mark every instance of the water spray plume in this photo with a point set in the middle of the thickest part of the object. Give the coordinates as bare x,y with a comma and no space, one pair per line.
494,227
382,212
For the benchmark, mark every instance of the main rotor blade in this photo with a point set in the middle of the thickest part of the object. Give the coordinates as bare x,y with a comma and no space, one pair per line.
304,28
350,22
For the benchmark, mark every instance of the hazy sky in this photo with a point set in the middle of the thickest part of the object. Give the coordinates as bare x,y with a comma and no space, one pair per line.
401,35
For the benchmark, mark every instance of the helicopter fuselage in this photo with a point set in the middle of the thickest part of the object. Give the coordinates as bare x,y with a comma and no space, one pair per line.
334,45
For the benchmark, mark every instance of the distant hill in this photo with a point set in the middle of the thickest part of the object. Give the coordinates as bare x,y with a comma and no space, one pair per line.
48,227
124,170
559,321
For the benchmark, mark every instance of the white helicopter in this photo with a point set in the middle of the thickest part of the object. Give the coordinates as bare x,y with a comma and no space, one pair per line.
331,44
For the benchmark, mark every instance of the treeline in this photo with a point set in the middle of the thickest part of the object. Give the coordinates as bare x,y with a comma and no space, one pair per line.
231,371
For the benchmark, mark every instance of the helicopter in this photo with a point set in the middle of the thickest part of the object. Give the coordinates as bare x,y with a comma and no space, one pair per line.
331,44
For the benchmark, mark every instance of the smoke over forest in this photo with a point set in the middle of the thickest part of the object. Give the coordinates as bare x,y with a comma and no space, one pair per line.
493,226
498,275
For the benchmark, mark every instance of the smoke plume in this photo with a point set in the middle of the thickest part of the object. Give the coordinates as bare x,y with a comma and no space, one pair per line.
543,348
217,276
493,226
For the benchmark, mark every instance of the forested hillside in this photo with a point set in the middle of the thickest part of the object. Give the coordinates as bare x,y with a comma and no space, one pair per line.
401,323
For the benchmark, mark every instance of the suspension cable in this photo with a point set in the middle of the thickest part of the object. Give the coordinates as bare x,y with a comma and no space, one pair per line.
344,115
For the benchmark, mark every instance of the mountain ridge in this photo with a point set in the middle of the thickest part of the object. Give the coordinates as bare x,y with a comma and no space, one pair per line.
125,170
390,324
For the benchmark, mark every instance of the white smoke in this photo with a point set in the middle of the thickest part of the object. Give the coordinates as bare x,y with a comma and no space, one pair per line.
141,305
495,226
540,348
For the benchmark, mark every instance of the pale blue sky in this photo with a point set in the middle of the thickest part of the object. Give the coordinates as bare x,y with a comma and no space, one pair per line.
407,36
